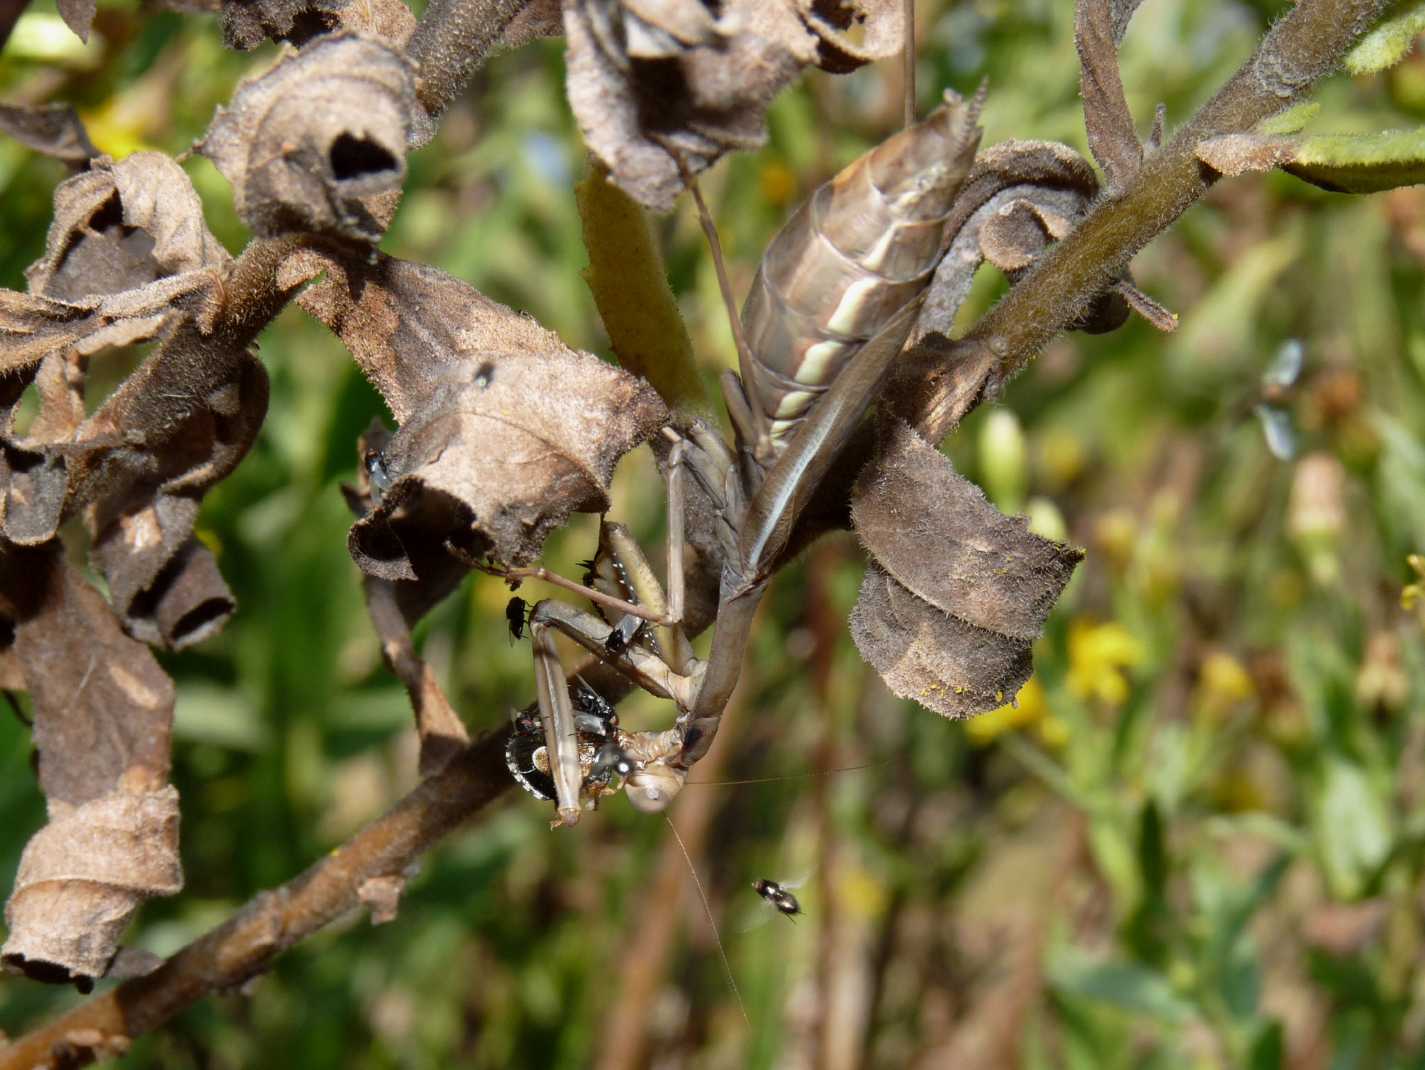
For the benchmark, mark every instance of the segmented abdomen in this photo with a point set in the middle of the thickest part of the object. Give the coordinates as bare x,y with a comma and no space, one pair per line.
860,248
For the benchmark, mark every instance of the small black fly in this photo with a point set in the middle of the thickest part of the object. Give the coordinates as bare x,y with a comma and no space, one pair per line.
621,635
779,897
516,613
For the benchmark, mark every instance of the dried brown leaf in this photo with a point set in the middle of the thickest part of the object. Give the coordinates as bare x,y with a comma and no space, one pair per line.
937,534
144,461
53,129
120,226
853,33
1109,123
504,429
78,15
318,143
102,704
931,657
83,876
649,78
103,718
1010,177
248,23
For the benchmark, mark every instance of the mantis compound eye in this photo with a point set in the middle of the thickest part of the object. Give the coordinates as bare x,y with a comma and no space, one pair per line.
652,788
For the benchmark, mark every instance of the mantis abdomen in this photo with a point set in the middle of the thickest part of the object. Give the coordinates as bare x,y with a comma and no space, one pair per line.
857,251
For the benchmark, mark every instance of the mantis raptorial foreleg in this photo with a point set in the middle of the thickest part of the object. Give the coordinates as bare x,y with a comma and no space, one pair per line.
556,715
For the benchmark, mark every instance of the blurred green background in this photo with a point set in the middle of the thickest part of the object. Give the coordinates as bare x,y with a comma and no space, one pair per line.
1197,842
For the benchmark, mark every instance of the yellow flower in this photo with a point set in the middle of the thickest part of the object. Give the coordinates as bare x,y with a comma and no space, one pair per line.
1028,709
1412,597
1098,654
1222,683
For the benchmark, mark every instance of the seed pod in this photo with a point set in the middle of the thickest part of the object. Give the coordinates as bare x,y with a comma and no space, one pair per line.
855,253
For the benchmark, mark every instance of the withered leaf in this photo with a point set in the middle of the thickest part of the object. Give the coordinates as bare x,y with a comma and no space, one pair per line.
103,718
248,23
83,876
504,429
853,33
937,534
1007,178
652,78
78,15
33,327
931,657
176,427
1108,121
120,226
956,590
318,143
53,129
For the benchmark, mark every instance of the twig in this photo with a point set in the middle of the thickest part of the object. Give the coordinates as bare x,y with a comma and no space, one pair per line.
246,944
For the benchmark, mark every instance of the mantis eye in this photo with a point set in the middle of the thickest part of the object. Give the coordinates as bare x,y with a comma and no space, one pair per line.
650,790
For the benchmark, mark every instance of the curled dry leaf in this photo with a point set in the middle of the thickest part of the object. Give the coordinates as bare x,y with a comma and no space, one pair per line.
103,717
82,877
504,431
120,226
650,78
318,143
1009,177
969,587
248,23
130,258
149,455
931,657
53,129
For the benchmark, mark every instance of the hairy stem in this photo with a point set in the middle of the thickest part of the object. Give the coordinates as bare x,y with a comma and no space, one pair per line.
1305,46
246,944
451,44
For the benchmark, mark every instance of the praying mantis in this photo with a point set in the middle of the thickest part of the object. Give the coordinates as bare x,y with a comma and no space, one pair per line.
833,302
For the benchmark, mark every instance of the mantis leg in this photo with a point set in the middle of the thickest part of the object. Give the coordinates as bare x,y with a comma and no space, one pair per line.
556,715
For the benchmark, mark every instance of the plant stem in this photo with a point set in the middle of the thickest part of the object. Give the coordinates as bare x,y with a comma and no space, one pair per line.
451,43
247,943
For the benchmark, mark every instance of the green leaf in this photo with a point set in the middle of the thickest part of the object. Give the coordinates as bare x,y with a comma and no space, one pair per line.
631,289
1352,827
1268,1048
1361,163
1341,163
1388,43
1290,121
1122,985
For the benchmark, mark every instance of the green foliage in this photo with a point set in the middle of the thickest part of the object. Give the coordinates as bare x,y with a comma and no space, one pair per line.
1198,841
